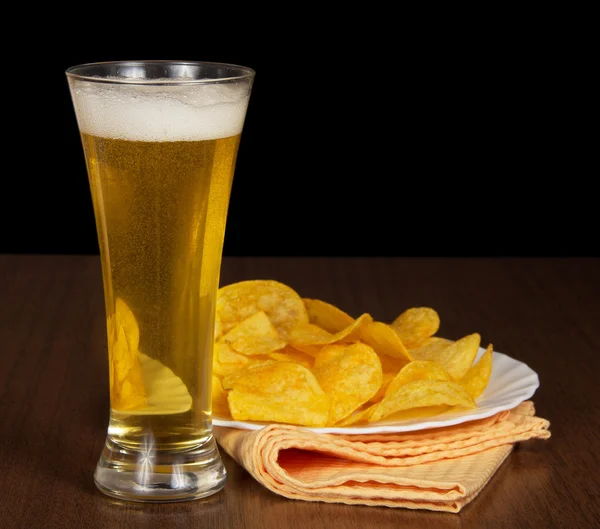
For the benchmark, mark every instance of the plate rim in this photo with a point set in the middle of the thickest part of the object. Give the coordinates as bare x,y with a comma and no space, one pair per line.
430,423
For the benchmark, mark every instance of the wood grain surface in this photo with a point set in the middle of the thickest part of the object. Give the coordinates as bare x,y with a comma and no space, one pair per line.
54,390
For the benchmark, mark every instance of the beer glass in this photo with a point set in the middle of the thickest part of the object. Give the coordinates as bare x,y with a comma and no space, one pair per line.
160,140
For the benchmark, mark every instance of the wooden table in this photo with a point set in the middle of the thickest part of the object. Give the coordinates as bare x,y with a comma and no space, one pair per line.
54,390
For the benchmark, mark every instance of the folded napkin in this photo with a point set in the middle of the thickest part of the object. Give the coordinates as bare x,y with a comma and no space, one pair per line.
440,469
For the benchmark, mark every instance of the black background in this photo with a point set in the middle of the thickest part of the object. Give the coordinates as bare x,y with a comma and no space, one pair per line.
359,139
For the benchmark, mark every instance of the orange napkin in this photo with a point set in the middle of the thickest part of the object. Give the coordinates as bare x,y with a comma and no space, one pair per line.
440,469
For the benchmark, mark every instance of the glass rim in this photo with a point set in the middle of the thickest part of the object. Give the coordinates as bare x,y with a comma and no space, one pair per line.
76,72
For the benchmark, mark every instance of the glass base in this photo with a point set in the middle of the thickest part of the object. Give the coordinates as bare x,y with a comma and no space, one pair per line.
166,476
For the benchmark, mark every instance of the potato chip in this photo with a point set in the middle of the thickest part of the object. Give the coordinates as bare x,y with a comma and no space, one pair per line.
225,354
125,321
127,389
359,415
413,414
280,392
218,327
283,306
350,375
165,392
309,335
328,353
419,394
457,357
226,360
290,354
226,369
123,358
362,415
123,340
327,316
384,340
303,336
417,370
260,360
219,398
385,382
255,335
429,347
392,365
416,325
477,377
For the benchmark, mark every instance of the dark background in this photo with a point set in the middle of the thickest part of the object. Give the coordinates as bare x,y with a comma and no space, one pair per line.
415,142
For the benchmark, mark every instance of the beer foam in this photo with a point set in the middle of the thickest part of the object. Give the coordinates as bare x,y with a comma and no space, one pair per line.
161,113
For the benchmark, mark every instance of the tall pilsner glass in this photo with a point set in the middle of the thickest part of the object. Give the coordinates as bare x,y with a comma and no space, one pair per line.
160,140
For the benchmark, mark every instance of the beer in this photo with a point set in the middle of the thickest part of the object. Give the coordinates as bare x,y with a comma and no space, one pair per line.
163,207
160,162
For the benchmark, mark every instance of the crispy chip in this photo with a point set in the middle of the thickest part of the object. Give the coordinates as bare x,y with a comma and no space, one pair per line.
280,392
423,412
218,327
417,370
166,393
308,335
280,303
226,369
429,347
362,415
225,354
125,321
385,382
260,360
391,364
477,377
384,340
290,354
327,316
219,398
457,357
226,360
329,353
125,373
129,391
419,394
122,356
350,375
255,335
416,325
359,415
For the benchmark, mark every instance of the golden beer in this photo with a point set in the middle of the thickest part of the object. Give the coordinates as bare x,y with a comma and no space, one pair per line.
162,206
160,157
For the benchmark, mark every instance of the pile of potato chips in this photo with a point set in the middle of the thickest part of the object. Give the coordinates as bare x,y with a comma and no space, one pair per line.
281,358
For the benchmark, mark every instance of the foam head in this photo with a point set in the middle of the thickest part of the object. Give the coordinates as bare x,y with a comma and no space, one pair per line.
160,113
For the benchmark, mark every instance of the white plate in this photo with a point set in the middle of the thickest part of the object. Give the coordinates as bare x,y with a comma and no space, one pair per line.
511,383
